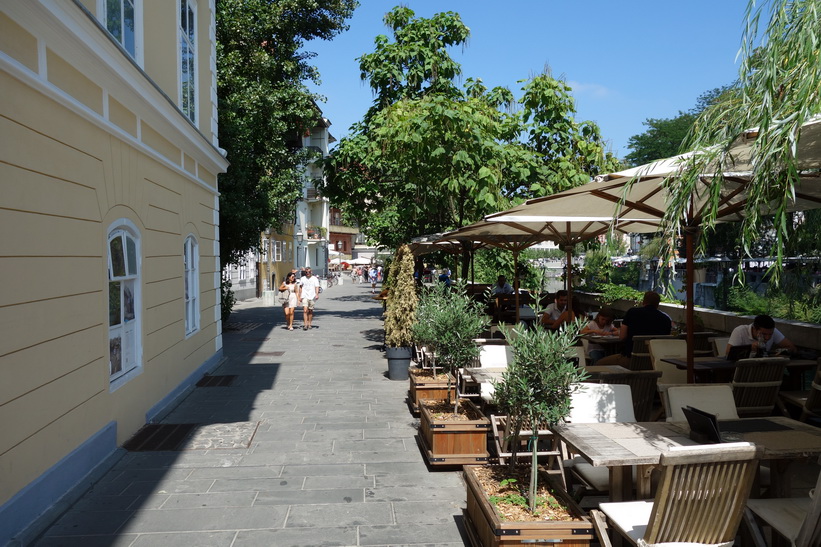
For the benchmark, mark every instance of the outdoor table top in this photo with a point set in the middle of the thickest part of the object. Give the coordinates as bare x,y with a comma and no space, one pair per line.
720,363
601,339
637,443
486,374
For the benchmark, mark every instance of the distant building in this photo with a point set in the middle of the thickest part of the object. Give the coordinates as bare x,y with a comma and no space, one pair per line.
109,260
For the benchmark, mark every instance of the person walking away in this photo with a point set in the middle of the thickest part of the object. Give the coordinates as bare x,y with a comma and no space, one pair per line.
372,276
309,293
290,285
641,321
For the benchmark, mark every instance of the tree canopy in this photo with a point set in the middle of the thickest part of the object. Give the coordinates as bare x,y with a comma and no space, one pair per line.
264,108
778,91
430,156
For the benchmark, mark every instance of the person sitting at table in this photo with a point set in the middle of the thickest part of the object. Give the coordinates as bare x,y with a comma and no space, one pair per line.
501,286
602,325
762,330
559,312
639,321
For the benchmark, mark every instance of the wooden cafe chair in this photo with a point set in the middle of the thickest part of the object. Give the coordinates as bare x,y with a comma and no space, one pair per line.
640,356
756,383
809,401
700,499
796,519
643,387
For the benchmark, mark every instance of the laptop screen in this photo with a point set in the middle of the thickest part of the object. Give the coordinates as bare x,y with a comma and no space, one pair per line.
703,425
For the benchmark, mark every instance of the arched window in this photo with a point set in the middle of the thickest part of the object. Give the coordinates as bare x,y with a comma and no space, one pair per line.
124,305
191,259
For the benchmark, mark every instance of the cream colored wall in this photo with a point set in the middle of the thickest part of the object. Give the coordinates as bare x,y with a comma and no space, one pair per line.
63,181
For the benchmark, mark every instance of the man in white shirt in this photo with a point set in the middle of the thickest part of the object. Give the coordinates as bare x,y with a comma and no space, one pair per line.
763,328
310,294
501,286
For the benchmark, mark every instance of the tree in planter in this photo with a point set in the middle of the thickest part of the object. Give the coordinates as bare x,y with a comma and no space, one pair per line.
536,387
451,320
402,300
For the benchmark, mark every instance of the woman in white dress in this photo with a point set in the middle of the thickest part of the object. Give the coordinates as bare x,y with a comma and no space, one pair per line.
290,285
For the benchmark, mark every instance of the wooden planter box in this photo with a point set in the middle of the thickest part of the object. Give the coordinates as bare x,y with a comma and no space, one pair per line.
425,387
486,529
454,442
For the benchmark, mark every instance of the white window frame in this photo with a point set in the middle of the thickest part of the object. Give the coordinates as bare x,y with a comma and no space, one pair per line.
191,285
187,42
126,280
277,254
102,9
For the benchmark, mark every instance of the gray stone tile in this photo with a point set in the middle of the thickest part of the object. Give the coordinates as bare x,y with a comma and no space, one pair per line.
342,481
398,468
341,434
384,456
239,472
302,497
214,499
430,480
429,512
168,487
411,534
350,514
413,493
115,540
370,445
298,537
355,470
200,539
257,485
206,519
78,523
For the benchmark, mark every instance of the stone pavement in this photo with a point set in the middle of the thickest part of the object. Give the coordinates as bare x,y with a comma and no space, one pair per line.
311,445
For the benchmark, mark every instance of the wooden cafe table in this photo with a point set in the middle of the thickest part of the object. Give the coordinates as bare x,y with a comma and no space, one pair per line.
709,369
619,446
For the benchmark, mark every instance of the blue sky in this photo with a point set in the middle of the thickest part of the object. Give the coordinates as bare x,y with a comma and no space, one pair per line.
626,60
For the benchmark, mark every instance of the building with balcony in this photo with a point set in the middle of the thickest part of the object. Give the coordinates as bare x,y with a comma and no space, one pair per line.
110,219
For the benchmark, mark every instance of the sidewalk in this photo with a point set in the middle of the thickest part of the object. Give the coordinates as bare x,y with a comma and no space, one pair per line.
310,445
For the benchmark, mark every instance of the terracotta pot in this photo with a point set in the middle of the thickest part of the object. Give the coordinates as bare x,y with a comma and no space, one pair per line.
450,442
486,528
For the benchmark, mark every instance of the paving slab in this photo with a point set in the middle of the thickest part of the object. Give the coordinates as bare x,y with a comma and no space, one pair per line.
310,445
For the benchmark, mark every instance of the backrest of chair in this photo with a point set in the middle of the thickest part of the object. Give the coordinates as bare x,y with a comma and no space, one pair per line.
755,385
812,406
642,388
663,348
640,356
495,355
719,345
714,398
701,340
601,403
702,493
810,533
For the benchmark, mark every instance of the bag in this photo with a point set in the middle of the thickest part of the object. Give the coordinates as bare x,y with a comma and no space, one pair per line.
283,297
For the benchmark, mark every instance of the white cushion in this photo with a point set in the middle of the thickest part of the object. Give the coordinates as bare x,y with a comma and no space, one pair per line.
631,517
602,403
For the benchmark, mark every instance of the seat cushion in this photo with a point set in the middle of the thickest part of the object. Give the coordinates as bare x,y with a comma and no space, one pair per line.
631,518
784,514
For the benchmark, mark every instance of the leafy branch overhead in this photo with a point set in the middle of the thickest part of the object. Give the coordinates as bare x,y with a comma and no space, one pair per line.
433,156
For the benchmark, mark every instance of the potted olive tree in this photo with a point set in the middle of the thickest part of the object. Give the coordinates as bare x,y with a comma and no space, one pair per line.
535,393
428,382
401,311
454,431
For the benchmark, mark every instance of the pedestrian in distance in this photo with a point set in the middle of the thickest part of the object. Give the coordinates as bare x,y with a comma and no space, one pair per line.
290,285
309,294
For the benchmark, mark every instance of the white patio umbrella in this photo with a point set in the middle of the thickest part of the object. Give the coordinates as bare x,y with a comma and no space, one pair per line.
635,200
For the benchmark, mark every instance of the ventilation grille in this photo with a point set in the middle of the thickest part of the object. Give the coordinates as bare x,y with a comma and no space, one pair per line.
157,437
216,381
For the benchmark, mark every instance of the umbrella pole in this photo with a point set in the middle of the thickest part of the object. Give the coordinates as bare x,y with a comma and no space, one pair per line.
516,282
689,234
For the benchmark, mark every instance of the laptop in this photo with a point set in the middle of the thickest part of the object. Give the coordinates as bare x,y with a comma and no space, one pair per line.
739,352
704,426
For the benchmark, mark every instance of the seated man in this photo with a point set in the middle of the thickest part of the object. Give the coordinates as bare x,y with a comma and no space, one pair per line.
640,321
559,312
501,287
761,332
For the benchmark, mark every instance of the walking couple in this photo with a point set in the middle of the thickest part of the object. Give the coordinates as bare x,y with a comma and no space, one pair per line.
305,291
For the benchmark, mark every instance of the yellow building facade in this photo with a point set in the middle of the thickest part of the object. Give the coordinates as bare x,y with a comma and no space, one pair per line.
109,253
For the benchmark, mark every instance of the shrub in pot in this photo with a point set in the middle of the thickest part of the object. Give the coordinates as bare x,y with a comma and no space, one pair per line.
535,393
453,321
401,312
